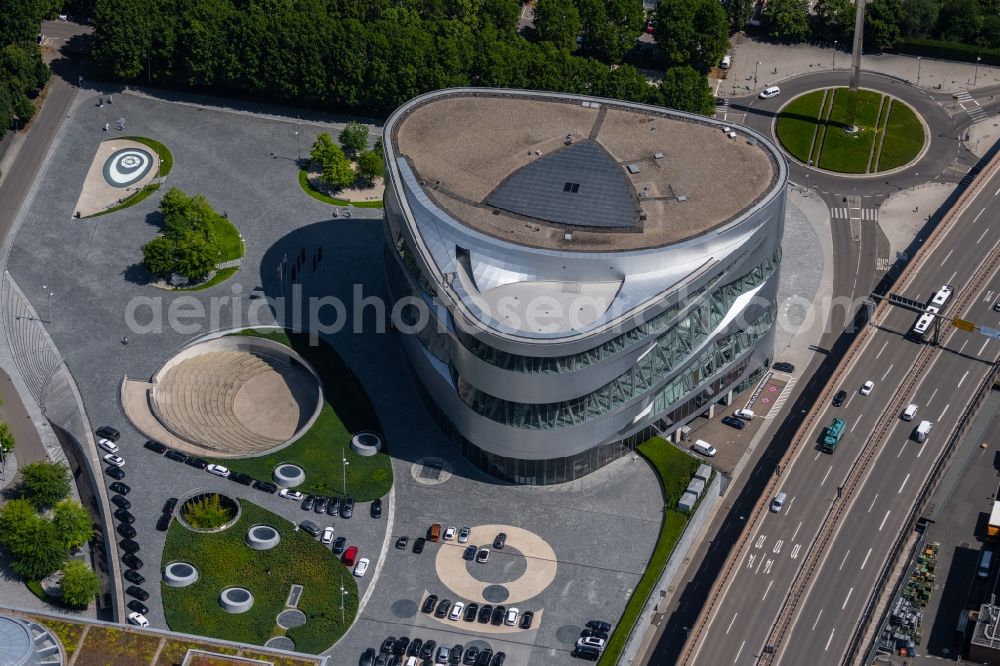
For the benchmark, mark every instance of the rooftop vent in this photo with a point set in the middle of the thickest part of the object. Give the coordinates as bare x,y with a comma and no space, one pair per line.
568,236
681,197
633,168
569,139
657,156
571,187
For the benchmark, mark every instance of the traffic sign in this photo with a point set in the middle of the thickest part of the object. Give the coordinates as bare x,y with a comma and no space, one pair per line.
963,324
990,332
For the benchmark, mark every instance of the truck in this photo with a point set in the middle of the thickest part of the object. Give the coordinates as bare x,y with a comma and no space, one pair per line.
832,435
993,529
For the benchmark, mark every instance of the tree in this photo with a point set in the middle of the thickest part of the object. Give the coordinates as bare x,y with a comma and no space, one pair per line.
6,439
79,584
919,17
44,483
335,168
42,553
354,137
611,26
158,255
960,20
370,166
739,13
17,524
691,32
989,35
835,21
123,37
500,14
882,21
73,523
787,20
195,256
685,89
558,22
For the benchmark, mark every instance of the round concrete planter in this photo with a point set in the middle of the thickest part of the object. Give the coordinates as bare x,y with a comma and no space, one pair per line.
179,574
236,600
366,444
262,537
226,501
287,475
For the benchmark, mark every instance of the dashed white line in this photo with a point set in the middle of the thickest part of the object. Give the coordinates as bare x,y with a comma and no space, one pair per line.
901,449
884,519
978,216
962,348
767,590
731,623
873,503
944,410
884,345
951,280
796,532
866,559
843,560
856,422
887,372
848,598
981,349
759,565
817,619
921,451
903,484
946,257
996,193
829,640
983,236
963,378
932,396
738,652
826,475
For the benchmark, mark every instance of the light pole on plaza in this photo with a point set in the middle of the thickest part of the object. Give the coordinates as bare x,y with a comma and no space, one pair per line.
834,55
48,298
343,459
756,65
918,71
342,592
975,77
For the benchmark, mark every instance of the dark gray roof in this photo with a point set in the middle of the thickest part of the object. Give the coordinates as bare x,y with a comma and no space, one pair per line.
578,185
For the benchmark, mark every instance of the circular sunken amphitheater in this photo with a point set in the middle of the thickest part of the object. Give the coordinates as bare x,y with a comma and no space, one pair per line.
226,397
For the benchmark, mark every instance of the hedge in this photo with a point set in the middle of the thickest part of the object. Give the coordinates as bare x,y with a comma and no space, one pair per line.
935,48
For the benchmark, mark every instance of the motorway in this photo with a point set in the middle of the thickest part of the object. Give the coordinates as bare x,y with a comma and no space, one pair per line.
741,620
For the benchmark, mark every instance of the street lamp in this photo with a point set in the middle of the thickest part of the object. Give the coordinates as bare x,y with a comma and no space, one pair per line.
918,71
975,77
834,54
48,298
298,141
756,65
915,174
342,593
343,459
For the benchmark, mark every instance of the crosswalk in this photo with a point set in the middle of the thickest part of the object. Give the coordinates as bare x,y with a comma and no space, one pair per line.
781,399
970,106
846,213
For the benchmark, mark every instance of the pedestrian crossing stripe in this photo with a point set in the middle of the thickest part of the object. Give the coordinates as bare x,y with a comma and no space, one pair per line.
842,213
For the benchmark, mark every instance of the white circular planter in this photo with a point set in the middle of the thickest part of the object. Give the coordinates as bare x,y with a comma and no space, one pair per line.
287,475
366,444
236,600
179,574
262,537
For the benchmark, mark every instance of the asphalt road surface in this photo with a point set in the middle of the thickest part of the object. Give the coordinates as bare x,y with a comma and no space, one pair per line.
754,595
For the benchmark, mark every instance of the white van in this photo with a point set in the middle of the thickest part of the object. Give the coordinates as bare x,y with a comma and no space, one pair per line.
909,412
704,448
984,564
745,414
924,429
769,92
778,503
727,60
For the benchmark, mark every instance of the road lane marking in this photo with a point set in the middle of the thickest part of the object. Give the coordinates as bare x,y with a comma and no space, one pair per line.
921,448
731,623
985,342
817,619
947,256
849,593
826,475
996,193
767,590
857,421
795,552
884,519
884,345
980,213
777,546
902,448
795,533
932,396
952,278
738,652
945,409
866,559
873,503
790,503
963,376
962,348
981,237
903,484
817,456
767,567
843,560
887,372
829,640
750,560
759,565
760,541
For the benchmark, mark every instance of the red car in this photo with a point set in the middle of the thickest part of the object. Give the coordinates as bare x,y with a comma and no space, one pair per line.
349,556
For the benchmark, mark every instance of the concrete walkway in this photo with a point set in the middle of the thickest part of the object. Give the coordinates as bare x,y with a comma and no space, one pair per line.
904,214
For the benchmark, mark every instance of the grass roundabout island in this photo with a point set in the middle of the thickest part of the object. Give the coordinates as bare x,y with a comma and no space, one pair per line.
815,130
223,561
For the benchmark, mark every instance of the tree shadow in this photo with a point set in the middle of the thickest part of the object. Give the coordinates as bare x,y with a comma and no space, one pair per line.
138,275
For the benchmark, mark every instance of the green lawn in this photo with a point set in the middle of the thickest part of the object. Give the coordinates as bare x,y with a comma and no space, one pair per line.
848,152
333,201
166,157
347,410
797,124
675,469
227,238
218,278
904,137
224,560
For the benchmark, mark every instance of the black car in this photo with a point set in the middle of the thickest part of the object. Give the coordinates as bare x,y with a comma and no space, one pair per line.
599,625
131,561
839,399
320,505
586,652
455,657
241,478
734,422
176,456
333,506
138,607
137,592
526,619
339,544
443,608
307,503
133,576
126,531
402,542
368,658
427,651
496,619
471,655
124,516
498,659
471,611
782,366
266,486
484,614
163,523
394,660
500,541
196,462
418,545
120,488
484,657
155,446
414,648
377,508
470,553
129,546
116,473
107,432
121,502
170,505
594,633
347,508
387,644
429,603
399,647
310,528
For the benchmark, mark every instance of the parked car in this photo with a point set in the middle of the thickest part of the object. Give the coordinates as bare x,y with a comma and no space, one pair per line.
361,568
376,508
120,488
485,613
456,610
427,651
782,366
155,446
483,556
463,535
115,472
402,542
511,619
138,606
484,657
442,654
124,516
591,641
496,619
327,537
132,561
137,592
470,553
108,445
129,545
112,459
455,656
126,531
418,545
163,523
197,463
170,505
471,655
429,604
266,486
839,399
133,576
138,619
526,619
333,506
121,502
414,649
449,533
399,647
288,493
241,478
867,387
347,508
734,422
500,540
598,625
307,503
442,608
368,658
471,611
310,528
349,556
338,545
176,456
107,432
319,506
387,644
217,470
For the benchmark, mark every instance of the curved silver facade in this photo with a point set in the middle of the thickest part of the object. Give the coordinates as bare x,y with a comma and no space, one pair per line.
663,332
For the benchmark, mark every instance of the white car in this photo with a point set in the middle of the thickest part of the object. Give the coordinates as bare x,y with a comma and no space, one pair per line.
463,535
327,535
449,533
288,493
590,641
483,556
107,445
867,387
112,459
138,619
769,92
361,568
511,618
218,470
456,610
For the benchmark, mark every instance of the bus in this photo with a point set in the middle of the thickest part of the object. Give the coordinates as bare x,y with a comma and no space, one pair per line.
926,320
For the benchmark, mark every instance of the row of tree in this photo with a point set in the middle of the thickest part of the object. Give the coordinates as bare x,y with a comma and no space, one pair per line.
43,527
22,72
349,163
372,56
886,21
